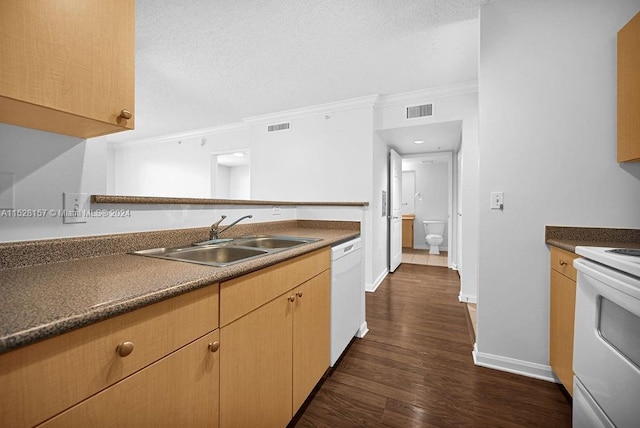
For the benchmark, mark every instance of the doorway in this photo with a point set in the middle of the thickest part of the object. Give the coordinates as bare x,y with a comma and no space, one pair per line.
428,196
231,174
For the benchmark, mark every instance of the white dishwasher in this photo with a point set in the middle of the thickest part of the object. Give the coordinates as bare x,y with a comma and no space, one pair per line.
346,295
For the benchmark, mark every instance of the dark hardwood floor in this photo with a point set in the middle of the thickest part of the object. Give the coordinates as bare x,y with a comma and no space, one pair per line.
415,369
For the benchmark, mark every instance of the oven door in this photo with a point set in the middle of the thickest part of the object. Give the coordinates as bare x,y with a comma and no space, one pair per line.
606,356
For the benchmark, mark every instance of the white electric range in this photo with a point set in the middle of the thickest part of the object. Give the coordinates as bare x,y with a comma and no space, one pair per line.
606,352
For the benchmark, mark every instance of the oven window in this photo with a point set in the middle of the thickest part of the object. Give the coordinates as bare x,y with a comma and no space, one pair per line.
621,329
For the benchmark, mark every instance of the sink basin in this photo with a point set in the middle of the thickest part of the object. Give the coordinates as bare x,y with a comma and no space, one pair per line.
212,255
271,242
223,252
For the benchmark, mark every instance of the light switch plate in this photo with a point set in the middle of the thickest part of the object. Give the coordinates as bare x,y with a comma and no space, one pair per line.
497,200
75,207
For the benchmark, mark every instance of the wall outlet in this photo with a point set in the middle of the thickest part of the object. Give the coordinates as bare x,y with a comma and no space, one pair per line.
497,200
75,207
276,211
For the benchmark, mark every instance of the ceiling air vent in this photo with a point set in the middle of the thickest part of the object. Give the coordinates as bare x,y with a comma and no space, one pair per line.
279,127
424,110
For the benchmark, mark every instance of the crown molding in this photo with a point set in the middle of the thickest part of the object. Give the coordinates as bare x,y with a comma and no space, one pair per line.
195,133
348,104
426,94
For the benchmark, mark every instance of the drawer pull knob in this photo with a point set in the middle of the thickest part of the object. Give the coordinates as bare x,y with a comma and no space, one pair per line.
124,349
214,346
125,114
292,299
563,263
299,294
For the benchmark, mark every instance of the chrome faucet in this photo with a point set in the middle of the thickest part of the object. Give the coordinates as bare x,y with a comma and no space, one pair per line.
214,232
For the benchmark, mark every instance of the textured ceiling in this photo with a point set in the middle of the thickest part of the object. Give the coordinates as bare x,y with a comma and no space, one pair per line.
203,63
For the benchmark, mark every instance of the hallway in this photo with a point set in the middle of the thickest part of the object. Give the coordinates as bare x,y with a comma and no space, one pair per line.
414,368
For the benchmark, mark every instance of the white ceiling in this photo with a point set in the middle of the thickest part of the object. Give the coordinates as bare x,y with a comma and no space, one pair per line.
437,137
204,63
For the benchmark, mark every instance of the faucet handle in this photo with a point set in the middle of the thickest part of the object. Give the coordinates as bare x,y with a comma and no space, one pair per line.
222,217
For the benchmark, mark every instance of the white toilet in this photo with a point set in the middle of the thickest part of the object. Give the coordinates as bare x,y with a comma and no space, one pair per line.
434,231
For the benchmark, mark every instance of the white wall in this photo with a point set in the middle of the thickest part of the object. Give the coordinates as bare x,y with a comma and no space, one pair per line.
170,166
379,223
318,159
221,182
432,181
44,166
240,182
547,86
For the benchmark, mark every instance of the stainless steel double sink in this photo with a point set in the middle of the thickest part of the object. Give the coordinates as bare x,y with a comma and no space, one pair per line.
224,252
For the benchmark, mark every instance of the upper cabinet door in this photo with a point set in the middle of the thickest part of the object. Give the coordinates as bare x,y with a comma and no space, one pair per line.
68,65
629,91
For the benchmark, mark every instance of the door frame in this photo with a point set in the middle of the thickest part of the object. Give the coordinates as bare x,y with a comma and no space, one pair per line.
452,241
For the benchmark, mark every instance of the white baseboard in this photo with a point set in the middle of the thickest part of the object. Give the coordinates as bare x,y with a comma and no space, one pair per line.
467,298
511,365
373,287
362,331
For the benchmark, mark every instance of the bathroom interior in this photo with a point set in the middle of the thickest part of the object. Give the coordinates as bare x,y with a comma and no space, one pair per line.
425,209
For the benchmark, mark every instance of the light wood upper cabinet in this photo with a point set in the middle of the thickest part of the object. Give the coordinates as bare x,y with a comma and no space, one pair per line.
629,91
562,315
68,65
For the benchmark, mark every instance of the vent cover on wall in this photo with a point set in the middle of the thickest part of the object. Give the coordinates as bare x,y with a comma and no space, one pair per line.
424,110
279,127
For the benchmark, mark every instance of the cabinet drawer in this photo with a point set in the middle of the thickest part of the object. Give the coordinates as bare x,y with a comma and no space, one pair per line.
48,377
179,390
562,261
248,292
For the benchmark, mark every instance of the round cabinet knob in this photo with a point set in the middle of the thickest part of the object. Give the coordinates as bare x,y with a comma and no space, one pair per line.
299,294
214,346
563,263
292,298
125,114
124,349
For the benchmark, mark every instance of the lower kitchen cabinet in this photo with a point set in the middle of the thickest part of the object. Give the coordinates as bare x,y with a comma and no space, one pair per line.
311,335
562,315
50,377
178,390
255,371
272,357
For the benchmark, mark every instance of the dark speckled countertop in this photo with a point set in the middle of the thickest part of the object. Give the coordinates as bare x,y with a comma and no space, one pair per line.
42,301
570,237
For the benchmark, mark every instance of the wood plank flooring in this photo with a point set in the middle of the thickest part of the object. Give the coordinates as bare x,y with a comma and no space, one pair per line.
414,368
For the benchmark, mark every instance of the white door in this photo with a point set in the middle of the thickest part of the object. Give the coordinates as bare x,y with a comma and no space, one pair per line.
395,210
459,214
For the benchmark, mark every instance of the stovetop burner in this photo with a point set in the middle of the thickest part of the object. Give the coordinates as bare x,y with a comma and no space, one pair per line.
625,251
